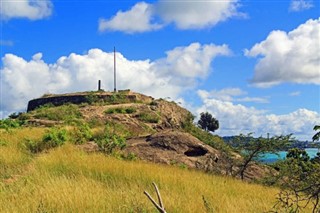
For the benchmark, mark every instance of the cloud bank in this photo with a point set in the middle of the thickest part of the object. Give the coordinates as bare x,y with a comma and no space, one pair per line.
237,118
30,9
22,80
143,17
288,57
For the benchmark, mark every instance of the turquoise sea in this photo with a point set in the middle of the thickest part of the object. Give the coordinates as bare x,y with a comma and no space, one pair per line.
271,158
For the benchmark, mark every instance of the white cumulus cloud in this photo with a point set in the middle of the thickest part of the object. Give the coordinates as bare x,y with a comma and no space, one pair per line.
137,19
196,14
236,118
288,57
192,61
300,5
22,80
30,9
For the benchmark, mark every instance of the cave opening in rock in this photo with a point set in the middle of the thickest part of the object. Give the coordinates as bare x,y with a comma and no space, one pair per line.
195,151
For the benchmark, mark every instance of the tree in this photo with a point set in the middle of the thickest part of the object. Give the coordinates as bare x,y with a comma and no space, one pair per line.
316,137
252,148
299,179
207,122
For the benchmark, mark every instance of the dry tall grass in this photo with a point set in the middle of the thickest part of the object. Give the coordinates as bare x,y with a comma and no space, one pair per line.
68,180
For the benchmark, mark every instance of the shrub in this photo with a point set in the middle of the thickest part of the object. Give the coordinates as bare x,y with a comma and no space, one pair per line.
56,137
149,117
130,110
80,133
153,103
118,98
14,115
24,116
10,123
67,113
121,110
92,98
111,142
21,116
52,138
112,138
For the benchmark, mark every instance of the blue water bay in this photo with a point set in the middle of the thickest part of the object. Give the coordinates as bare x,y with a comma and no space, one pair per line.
271,158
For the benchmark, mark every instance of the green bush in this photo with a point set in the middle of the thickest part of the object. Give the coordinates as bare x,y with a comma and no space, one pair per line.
112,137
121,110
110,143
67,113
24,116
118,98
149,117
80,133
130,110
10,123
92,98
52,138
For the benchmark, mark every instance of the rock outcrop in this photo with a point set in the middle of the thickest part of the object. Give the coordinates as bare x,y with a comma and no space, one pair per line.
180,148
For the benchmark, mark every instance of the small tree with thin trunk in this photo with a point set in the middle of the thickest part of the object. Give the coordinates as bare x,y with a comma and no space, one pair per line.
252,148
208,122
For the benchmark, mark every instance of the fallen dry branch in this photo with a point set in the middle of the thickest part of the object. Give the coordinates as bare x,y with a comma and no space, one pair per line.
159,206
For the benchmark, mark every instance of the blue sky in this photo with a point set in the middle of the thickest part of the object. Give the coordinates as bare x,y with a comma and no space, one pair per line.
253,64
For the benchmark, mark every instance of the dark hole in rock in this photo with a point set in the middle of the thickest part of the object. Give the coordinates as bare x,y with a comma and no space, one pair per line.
195,151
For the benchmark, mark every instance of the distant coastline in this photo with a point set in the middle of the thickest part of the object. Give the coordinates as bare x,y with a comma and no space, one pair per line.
271,158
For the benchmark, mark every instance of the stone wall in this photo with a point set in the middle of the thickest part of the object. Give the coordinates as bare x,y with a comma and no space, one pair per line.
103,97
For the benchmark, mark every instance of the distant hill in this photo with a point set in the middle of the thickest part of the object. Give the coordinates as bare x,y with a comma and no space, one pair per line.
295,144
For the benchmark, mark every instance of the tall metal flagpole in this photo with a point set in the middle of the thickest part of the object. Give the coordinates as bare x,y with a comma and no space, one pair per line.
114,69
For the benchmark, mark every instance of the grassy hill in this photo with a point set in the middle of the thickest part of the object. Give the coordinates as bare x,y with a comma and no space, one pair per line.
75,158
67,179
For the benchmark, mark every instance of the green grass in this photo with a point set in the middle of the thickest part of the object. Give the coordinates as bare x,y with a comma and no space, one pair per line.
206,137
67,113
121,110
149,117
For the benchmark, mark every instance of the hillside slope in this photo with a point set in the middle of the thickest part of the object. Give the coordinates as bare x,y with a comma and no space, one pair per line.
67,179
154,130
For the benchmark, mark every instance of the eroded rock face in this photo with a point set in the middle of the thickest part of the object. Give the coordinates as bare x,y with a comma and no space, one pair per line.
174,147
179,148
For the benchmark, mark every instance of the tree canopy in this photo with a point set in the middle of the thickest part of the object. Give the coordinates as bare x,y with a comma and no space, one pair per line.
208,122
316,137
